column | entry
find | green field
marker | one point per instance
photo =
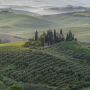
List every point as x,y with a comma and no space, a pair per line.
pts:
24,25
12,46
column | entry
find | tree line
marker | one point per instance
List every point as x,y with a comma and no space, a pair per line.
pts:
48,38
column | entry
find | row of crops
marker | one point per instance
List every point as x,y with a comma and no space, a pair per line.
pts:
33,66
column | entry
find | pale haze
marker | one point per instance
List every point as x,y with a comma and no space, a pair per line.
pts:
85,3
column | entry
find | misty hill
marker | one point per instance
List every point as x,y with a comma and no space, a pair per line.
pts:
46,2
46,10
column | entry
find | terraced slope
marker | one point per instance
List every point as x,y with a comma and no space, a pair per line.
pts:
58,67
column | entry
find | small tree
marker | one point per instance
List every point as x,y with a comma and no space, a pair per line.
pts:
75,39
15,87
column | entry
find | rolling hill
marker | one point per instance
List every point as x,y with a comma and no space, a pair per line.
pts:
64,66
24,26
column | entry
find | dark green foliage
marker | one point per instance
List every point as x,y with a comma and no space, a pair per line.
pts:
59,66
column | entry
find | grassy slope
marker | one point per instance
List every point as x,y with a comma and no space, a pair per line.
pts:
24,25
13,46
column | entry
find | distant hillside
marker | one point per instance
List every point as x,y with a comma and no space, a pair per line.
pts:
24,26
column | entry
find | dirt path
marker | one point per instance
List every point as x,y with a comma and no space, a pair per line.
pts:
52,45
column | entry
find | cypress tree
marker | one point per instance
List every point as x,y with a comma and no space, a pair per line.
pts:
48,40
67,37
49,34
45,39
51,37
43,33
36,36
73,36
69,33
61,31
43,42
55,35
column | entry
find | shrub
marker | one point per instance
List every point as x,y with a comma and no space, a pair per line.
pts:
15,87
32,47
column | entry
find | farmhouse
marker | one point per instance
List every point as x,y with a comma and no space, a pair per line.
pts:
59,35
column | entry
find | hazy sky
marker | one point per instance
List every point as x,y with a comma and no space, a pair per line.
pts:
46,2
